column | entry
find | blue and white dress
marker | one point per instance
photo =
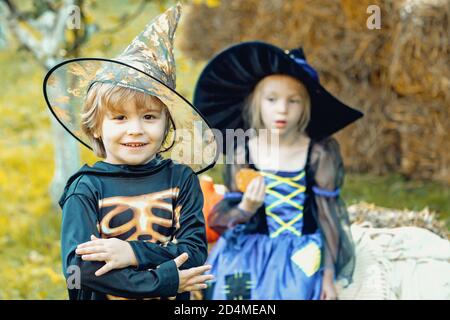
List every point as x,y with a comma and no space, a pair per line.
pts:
284,264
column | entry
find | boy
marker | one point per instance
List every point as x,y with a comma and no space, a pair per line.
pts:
141,211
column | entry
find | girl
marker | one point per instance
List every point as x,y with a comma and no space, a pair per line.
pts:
285,235
132,222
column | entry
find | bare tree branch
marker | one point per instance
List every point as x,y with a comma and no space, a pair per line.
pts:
127,18
81,35
53,40
51,25
24,37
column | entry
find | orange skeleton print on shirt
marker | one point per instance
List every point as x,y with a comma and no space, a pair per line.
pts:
143,215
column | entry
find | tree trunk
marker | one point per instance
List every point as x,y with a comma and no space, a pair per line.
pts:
66,152
66,157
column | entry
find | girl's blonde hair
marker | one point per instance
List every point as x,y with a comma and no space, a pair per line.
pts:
252,107
103,97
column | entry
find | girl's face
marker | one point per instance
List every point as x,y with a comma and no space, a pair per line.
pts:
133,135
281,104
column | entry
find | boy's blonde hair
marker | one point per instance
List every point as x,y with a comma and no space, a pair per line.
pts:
252,107
103,97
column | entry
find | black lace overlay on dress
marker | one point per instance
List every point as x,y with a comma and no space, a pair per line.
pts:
323,207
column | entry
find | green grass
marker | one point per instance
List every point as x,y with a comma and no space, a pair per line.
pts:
395,191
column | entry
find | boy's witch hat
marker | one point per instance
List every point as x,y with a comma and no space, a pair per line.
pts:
146,65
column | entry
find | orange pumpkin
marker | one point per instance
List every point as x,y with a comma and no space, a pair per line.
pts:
244,177
212,194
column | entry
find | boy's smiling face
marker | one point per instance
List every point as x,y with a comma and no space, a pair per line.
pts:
132,134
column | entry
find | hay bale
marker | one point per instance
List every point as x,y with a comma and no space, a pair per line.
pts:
402,134
398,75
372,144
379,217
420,62
423,126
202,31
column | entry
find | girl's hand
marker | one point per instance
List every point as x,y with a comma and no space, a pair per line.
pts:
254,195
328,288
116,253
191,279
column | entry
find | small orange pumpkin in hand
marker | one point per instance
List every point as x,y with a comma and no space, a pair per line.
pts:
244,177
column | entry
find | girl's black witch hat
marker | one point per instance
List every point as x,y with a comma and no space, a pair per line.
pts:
231,76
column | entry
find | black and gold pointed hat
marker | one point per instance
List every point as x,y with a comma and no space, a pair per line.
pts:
146,65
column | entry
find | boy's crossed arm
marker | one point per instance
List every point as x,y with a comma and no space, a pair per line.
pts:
117,254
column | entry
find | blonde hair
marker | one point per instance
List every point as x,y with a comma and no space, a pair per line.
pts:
103,97
252,107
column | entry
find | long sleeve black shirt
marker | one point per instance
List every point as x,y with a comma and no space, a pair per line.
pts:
157,207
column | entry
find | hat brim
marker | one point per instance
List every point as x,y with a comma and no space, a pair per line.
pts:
191,140
231,76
